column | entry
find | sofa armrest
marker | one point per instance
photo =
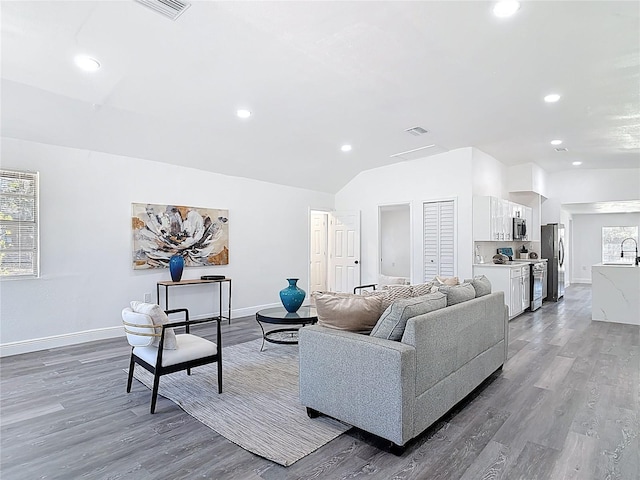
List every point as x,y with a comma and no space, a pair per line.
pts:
364,381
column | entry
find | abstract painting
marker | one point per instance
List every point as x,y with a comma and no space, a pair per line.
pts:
199,235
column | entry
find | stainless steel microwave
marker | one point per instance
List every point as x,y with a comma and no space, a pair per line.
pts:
519,229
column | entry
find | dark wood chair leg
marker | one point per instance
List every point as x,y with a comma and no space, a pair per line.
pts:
188,371
130,379
154,393
219,375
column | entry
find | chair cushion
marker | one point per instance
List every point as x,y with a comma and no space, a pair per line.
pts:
131,317
458,293
394,319
189,347
159,318
347,311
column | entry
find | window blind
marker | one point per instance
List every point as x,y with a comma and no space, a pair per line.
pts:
18,224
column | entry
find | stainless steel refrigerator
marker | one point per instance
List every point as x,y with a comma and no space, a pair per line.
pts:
552,247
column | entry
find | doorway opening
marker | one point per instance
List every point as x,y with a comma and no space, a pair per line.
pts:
394,240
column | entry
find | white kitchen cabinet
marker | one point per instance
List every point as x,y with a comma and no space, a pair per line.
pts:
515,300
492,220
510,279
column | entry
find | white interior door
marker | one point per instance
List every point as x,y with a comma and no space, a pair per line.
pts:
439,239
344,251
318,252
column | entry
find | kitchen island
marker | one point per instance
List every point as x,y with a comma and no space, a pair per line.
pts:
615,293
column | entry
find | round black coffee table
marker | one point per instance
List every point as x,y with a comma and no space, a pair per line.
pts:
279,316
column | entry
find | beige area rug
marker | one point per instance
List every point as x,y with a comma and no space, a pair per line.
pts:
259,408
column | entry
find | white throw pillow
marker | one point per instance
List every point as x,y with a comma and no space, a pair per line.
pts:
159,318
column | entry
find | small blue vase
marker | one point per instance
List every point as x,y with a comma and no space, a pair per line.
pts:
292,296
176,265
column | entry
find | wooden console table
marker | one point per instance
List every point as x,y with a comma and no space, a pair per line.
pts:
166,286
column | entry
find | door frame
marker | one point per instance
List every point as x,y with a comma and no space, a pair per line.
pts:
411,229
326,212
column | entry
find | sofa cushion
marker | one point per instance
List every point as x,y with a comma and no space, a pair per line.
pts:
481,285
394,319
384,280
446,280
159,318
458,293
347,311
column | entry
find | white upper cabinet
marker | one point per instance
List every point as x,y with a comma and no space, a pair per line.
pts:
493,219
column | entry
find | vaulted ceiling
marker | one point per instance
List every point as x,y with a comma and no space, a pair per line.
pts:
317,75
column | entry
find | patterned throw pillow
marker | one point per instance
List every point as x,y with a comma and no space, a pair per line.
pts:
458,293
159,318
391,293
347,311
422,289
394,319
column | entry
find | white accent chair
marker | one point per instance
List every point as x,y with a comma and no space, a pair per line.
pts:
192,351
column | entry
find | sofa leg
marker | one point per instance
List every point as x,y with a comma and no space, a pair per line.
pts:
311,413
395,449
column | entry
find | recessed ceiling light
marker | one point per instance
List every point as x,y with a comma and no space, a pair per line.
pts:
345,148
552,98
86,63
506,8
242,113
556,142
576,163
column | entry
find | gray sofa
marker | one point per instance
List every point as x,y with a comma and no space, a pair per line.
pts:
397,389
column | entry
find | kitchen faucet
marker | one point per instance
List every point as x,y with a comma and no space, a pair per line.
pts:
622,249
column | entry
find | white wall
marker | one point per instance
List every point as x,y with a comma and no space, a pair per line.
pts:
589,186
587,239
527,177
85,214
439,177
489,176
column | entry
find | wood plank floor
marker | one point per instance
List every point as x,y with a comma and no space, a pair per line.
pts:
566,406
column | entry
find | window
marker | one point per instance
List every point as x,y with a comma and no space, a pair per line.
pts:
612,238
18,224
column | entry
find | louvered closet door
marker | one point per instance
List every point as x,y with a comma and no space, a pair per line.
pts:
439,239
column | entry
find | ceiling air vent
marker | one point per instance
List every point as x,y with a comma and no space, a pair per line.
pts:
416,131
561,149
420,152
169,8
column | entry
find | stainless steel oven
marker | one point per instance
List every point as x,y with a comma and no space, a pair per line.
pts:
538,280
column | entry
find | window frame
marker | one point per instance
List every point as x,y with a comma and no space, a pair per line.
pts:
607,257
34,270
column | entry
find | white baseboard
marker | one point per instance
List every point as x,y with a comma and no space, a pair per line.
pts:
54,341
45,343
581,280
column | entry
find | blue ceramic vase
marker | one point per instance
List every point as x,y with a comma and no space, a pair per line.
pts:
176,265
292,296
